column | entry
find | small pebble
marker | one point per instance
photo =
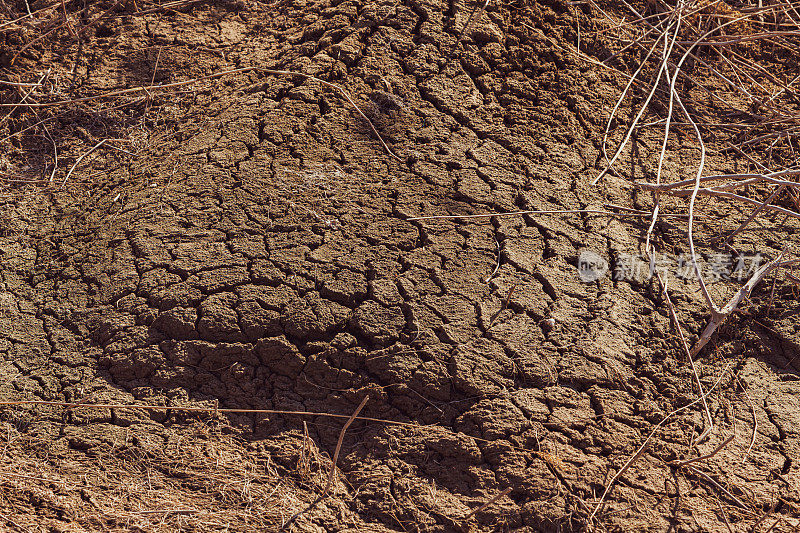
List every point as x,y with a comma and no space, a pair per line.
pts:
547,324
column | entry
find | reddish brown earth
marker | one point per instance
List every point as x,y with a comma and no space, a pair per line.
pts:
250,249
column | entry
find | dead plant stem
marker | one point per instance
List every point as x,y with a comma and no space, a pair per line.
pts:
488,503
332,474
81,158
685,346
642,448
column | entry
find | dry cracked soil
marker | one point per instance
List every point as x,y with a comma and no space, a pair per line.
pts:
244,243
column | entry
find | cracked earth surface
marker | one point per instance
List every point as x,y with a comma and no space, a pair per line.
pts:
260,256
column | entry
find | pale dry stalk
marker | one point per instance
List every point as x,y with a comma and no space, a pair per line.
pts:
647,440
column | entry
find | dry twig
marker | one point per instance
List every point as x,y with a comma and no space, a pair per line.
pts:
339,445
488,503
643,446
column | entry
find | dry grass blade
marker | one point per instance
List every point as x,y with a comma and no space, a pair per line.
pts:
713,482
30,15
169,511
468,23
488,503
661,156
134,90
332,475
151,88
643,446
81,158
629,212
772,177
698,176
346,96
685,346
25,97
215,411
754,214
642,109
709,455
8,520
717,190
190,409
335,459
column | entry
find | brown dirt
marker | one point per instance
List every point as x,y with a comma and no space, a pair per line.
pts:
251,247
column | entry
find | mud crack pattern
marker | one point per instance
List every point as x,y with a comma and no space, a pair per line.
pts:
262,258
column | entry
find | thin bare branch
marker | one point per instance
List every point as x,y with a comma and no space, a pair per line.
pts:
332,474
488,503
643,447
